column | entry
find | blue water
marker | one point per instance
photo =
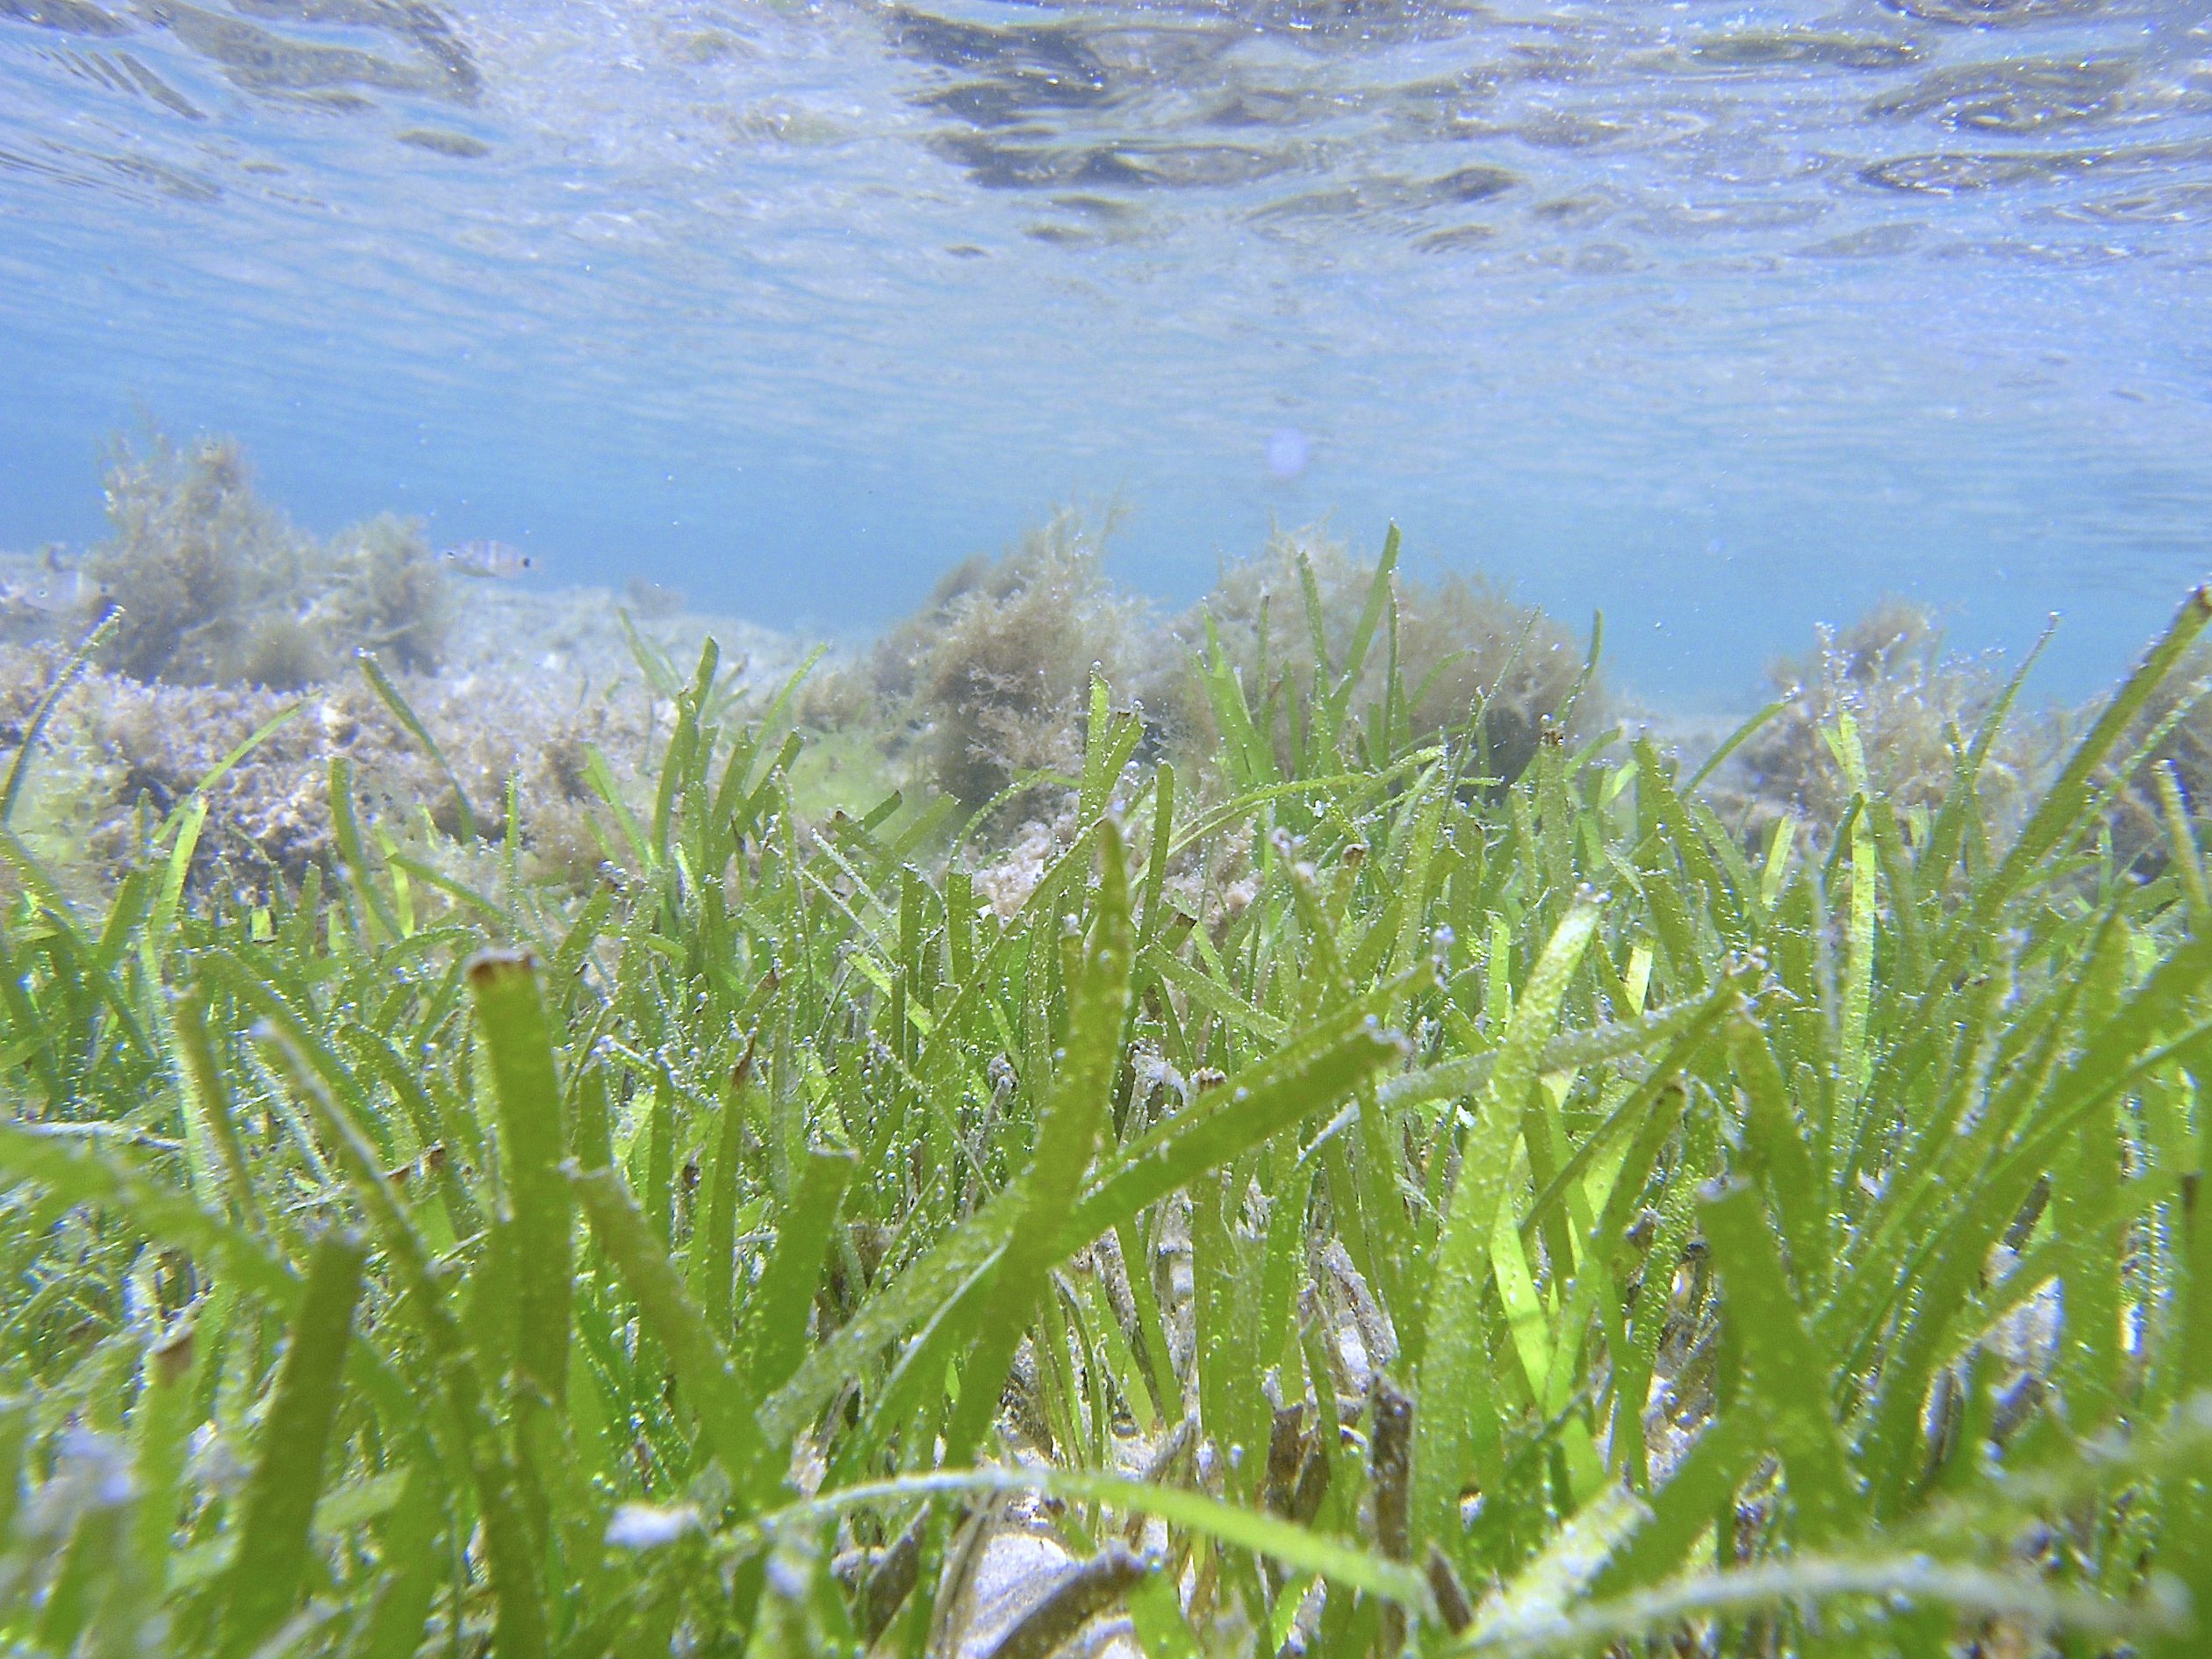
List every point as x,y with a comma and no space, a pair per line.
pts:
1724,319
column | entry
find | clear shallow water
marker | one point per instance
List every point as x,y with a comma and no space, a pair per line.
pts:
1726,319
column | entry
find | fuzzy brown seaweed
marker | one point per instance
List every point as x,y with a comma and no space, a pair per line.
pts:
217,586
387,592
1913,708
2171,743
1004,680
1469,657
986,684
198,563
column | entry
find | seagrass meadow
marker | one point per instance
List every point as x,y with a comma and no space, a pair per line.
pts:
1518,1218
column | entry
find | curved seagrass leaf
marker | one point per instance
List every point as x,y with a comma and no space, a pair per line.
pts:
1066,1139
1540,1592
1769,1327
533,1144
1314,1070
295,1440
1571,1051
705,1372
1456,1437
1363,786
42,711
1805,1583
772,1335
518,1599
2058,816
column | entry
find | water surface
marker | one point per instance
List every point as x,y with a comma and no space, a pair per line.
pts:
1724,317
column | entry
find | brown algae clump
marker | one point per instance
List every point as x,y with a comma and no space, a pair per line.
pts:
217,586
2168,790
1913,711
1468,659
986,684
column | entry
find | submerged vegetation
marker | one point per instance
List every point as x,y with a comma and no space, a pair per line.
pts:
1379,1182
983,691
985,685
214,585
236,659
1448,654
1885,685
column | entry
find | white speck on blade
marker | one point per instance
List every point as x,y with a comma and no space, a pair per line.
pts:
650,1526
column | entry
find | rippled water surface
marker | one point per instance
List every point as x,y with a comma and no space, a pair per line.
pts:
1726,319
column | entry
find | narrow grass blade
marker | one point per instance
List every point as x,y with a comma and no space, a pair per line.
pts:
773,1336
534,1142
705,1372
1065,1140
1785,1365
1450,1444
280,1499
208,1099
42,711
1296,1547
84,1176
1734,741
520,1628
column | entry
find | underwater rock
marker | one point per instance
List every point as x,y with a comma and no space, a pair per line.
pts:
119,748
1028,1598
233,620
1005,884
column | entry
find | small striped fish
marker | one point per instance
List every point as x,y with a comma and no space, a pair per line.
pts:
489,558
